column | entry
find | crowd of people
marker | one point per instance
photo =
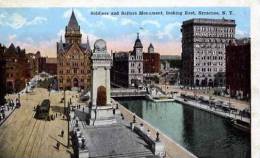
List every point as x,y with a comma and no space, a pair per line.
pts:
6,109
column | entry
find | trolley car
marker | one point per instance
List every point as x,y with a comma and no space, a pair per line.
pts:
42,111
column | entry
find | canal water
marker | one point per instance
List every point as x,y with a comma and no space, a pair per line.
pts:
205,135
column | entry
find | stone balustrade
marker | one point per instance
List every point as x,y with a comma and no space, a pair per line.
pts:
155,145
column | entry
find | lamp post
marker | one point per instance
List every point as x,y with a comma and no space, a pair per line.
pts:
68,117
64,100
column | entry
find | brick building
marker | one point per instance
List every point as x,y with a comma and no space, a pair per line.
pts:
203,51
151,61
238,68
73,58
33,64
17,68
2,75
48,65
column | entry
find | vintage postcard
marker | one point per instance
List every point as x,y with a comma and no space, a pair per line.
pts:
151,81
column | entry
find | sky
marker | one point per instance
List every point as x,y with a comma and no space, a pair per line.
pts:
40,28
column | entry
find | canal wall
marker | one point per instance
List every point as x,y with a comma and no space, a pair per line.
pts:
210,110
173,149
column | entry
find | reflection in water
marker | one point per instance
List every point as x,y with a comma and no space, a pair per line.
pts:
204,134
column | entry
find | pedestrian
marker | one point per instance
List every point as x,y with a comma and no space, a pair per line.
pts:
114,111
62,133
58,145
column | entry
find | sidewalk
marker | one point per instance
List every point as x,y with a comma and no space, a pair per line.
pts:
7,109
238,104
212,109
7,114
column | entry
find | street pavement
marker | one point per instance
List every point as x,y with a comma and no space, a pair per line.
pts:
23,136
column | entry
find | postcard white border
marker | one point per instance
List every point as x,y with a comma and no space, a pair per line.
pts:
255,34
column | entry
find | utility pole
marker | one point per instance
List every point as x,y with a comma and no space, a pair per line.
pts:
68,117
64,100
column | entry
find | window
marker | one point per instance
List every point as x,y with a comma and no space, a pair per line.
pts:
75,71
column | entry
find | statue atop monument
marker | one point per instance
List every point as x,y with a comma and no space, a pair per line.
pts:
100,46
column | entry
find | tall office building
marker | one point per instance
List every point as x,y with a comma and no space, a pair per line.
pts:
203,51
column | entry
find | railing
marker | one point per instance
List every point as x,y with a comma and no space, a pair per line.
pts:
172,148
120,92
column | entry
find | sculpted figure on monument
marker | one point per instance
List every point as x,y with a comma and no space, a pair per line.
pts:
100,46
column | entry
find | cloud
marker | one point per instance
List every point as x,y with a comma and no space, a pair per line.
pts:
168,30
82,19
126,22
37,20
126,44
17,21
241,33
61,32
78,15
92,38
12,37
151,22
110,17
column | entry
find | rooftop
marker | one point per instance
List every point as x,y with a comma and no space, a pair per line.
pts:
210,21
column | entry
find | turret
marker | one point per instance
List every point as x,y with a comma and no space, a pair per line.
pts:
138,47
150,48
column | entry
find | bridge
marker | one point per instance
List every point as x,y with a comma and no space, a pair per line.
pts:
127,92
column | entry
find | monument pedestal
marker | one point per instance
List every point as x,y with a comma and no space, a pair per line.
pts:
102,115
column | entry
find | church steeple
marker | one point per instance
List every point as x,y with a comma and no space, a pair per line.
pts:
73,23
72,31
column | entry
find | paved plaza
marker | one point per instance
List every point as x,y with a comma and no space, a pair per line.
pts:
115,140
22,136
